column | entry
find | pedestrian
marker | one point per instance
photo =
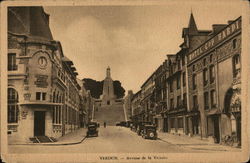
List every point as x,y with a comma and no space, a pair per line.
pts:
104,124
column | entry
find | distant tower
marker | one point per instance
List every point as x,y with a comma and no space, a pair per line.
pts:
108,97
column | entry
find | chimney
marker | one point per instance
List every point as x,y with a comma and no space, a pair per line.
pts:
218,27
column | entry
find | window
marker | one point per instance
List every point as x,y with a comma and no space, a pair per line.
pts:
12,66
184,79
178,82
13,110
213,98
195,102
204,62
54,114
194,81
205,77
171,103
184,99
12,95
172,122
236,65
194,68
212,73
183,61
178,101
206,101
171,86
41,96
234,43
211,58
180,122
179,64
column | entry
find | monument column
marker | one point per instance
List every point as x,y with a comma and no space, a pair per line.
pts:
108,97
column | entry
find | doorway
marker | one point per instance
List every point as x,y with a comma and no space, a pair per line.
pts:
39,123
165,126
216,129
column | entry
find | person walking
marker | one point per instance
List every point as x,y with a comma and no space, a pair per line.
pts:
104,124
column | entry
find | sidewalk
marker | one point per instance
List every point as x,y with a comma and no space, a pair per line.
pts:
195,143
74,137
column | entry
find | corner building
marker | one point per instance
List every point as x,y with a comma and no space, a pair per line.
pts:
43,94
214,75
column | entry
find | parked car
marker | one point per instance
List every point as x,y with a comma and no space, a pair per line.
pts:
140,127
92,129
149,131
123,123
128,123
118,124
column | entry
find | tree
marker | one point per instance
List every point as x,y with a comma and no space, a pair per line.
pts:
96,88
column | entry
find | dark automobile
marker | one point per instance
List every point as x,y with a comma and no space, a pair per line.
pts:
133,126
149,131
140,127
128,123
92,129
123,123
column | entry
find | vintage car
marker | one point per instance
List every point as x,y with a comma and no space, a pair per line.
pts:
149,131
134,126
92,129
140,127
118,124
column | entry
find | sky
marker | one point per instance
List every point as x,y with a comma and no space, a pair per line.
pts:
132,40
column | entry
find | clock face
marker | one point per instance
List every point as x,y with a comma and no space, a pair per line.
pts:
42,61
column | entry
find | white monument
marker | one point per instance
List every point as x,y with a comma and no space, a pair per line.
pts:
108,97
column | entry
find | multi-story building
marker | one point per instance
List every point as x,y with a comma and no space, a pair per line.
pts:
128,104
137,111
43,94
214,75
83,112
179,111
199,85
161,97
148,98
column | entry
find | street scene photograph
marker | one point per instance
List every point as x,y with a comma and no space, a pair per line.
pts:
124,78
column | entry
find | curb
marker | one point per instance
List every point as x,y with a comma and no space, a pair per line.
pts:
51,144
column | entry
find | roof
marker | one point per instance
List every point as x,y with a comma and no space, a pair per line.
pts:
30,21
66,59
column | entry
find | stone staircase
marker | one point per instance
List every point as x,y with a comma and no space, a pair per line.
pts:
109,114
42,139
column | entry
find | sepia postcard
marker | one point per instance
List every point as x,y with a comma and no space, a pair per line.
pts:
124,81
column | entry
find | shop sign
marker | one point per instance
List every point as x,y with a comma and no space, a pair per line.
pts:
41,81
232,28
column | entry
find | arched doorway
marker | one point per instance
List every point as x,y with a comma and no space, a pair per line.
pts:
232,108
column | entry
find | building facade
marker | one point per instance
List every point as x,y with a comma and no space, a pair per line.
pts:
43,94
214,74
196,91
128,105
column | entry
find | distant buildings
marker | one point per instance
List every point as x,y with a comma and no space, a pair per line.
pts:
44,96
196,91
128,104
